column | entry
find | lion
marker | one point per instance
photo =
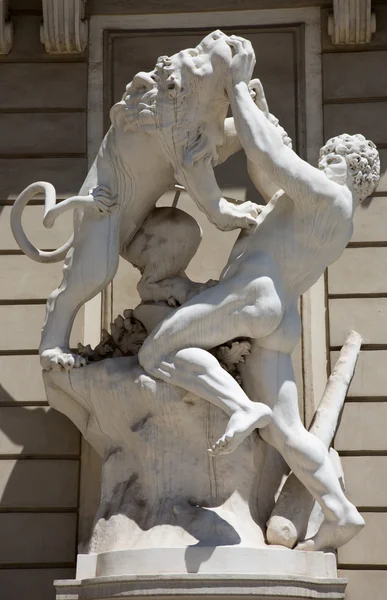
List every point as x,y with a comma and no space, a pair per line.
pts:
170,126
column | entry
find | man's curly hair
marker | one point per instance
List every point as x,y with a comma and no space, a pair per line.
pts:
362,160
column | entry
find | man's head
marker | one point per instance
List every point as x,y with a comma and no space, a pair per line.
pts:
353,160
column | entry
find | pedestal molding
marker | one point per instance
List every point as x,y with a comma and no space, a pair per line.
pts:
6,29
64,30
352,22
256,587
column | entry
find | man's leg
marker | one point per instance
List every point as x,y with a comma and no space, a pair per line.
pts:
269,376
177,352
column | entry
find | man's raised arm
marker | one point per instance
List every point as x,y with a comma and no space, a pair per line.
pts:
262,141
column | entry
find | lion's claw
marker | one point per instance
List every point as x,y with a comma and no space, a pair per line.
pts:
57,359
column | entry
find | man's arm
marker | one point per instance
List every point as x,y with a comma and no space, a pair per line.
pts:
264,147
261,139
231,145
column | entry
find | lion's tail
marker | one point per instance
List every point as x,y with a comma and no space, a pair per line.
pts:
49,204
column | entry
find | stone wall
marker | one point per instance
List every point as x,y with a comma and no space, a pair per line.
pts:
355,100
43,136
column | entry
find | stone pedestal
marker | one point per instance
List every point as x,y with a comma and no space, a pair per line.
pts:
172,520
199,571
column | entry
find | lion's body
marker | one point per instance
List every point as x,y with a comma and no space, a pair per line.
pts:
136,183
169,127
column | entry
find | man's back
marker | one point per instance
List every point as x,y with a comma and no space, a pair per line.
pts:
300,239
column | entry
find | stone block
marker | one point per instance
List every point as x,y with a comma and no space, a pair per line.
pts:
45,239
37,431
369,547
370,221
66,175
22,324
24,279
368,316
370,377
38,484
44,85
364,117
359,271
355,75
37,538
364,584
31,584
42,133
362,427
13,388
365,480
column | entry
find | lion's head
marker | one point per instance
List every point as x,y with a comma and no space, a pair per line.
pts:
183,99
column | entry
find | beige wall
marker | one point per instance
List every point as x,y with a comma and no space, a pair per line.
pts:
43,136
355,100
43,126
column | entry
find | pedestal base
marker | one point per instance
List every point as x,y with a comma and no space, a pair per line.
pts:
199,571
187,587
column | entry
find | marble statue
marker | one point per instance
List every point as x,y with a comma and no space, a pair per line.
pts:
149,395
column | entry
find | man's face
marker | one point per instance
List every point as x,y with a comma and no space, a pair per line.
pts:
334,166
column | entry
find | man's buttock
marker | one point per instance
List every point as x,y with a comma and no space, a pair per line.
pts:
287,335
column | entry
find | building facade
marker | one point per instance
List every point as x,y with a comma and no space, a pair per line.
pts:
55,96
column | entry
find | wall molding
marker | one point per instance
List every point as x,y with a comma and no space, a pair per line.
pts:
64,29
6,29
352,22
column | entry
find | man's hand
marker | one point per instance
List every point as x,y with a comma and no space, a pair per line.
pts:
242,63
258,95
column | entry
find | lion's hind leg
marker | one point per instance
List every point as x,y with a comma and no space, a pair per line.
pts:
89,266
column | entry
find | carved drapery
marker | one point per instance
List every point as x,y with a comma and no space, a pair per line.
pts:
64,30
6,29
352,22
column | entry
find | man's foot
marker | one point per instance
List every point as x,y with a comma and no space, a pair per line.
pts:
332,535
240,425
57,359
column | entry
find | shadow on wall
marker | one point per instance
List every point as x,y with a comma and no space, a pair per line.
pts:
39,472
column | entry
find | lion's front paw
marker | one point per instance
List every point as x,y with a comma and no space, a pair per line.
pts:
234,216
57,359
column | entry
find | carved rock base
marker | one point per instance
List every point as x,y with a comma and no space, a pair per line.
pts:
173,521
160,487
